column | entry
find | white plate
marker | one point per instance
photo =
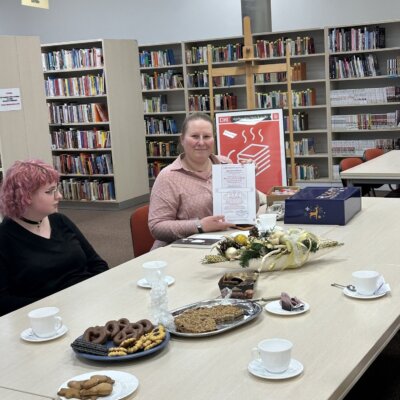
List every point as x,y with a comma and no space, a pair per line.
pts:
256,368
124,385
275,307
144,284
29,336
356,295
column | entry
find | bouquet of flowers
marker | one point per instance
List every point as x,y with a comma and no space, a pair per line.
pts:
273,250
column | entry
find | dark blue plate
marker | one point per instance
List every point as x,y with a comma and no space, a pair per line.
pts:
142,353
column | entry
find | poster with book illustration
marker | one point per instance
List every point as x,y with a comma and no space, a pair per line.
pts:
256,136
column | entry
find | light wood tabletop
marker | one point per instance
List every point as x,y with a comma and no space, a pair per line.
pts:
9,394
336,340
382,169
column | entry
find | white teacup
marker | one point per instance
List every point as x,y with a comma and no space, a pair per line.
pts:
366,282
266,222
45,322
274,354
154,270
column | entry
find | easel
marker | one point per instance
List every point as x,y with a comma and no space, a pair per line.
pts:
249,69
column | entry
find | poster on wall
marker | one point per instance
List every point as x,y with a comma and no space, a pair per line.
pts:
256,136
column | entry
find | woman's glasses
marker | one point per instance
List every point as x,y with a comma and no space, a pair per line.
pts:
55,190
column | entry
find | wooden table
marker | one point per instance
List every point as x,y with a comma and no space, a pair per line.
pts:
9,394
336,340
384,169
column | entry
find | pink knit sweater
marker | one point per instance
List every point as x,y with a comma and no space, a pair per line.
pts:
178,198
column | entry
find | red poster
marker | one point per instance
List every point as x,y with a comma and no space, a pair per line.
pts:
255,136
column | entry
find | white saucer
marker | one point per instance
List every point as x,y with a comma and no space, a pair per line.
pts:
356,295
274,307
295,368
29,336
144,284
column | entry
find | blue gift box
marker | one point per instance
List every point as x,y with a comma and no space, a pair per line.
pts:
323,205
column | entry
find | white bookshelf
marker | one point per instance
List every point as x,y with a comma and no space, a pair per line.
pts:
122,180
23,132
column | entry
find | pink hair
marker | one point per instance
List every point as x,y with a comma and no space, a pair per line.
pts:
21,180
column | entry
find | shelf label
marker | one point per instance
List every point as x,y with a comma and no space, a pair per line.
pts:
36,3
10,99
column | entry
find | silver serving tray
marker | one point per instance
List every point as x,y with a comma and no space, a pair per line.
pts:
251,311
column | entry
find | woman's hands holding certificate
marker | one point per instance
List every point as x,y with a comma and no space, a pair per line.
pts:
215,223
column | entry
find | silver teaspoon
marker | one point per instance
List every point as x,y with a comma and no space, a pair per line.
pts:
352,288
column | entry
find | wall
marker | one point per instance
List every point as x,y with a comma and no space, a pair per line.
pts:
290,14
152,21
147,21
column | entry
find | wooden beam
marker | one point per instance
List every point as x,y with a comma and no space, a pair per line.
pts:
265,69
228,71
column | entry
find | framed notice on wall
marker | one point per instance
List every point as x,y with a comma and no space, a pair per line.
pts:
255,136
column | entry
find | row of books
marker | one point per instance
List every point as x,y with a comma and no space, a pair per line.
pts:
77,189
200,79
155,168
351,147
303,147
393,66
160,58
155,104
161,149
199,55
277,48
303,171
58,60
299,73
365,96
160,126
278,99
227,101
77,113
354,67
87,85
83,164
165,80
300,122
353,39
76,139
366,121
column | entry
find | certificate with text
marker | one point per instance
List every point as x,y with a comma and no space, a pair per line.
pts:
234,192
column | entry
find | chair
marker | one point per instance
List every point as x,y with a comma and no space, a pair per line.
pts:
351,162
142,241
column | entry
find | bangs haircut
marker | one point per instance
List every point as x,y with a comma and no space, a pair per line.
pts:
21,181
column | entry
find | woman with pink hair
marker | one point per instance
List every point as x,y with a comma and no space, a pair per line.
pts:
41,251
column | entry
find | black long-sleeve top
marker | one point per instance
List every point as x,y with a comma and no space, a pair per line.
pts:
33,267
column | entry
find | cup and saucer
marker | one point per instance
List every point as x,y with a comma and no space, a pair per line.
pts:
153,271
256,368
272,360
368,284
45,325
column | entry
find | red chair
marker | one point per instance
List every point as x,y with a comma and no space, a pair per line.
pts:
142,241
351,162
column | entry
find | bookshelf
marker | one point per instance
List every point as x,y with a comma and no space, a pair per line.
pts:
363,60
315,135
23,132
96,122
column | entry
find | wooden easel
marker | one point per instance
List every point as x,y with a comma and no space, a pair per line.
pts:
248,68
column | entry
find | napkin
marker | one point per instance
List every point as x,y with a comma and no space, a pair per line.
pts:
382,286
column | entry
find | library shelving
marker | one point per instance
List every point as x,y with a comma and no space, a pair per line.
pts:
96,122
23,131
321,67
364,67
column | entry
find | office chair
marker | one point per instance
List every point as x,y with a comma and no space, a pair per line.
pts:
351,162
142,241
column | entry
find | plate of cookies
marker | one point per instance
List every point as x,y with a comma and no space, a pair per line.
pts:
120,340
107,385
211,317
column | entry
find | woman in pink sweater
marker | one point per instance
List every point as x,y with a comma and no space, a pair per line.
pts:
181,201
